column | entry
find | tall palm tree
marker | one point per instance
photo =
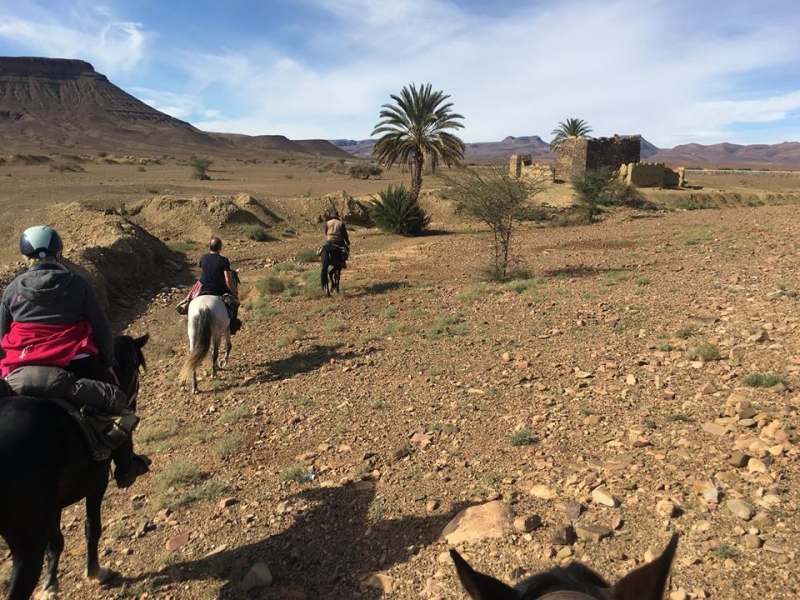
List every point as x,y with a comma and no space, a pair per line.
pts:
414,130
567,129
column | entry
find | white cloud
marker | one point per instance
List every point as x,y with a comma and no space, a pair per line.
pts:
90,33
672,71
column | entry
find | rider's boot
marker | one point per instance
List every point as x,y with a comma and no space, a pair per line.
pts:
128,466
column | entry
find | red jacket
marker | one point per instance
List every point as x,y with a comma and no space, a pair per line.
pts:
41,344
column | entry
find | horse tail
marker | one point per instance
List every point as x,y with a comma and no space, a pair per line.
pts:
201,347
326,259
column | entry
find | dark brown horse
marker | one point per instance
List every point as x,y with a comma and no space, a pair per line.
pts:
573,582
333,261
45,466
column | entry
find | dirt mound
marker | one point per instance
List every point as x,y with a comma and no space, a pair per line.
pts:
121,259
174,218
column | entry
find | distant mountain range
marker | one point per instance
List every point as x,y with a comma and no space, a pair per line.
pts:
724,154
57,105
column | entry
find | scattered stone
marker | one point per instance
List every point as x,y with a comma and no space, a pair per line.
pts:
528,523
227,502
775,546
401,452
543,492
752,541
259,575
715,429
563,535
564,553
741,509
739,459
755,465
666,509
593,533
432,505
176,542
574,510
490,520
378,581
679,594
602,496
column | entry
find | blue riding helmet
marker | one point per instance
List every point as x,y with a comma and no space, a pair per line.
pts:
40,241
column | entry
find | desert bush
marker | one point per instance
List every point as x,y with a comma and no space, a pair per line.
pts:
523,437
592,189
498,199
272,284
705,352
200,166
256,232
297,472
396,211
762,380
66,166
261,309
307,255
364,171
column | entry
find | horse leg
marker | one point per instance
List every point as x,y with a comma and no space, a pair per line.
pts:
214,358
224,360
26,569
53,553
93,529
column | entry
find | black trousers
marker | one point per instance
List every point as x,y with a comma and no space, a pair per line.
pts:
91,368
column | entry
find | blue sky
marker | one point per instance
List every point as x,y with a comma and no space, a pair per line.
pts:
676,71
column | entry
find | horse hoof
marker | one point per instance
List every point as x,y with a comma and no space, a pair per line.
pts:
48,594
101,576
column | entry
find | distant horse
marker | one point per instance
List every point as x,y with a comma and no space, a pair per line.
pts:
333,261
573,582
45,466
208,323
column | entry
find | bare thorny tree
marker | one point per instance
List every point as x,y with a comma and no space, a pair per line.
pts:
499,199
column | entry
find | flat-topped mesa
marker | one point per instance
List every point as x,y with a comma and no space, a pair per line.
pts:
48,68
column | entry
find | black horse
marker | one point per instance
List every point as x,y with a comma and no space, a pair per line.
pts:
573,582
45,466
333,261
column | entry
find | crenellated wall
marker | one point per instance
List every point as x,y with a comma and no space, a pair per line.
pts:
521,165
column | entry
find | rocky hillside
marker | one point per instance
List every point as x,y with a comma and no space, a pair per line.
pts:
52,105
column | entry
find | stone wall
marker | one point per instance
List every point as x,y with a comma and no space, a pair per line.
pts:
521,165
652,175
576,155
645,174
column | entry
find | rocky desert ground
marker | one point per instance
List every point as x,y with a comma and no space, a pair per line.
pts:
639,380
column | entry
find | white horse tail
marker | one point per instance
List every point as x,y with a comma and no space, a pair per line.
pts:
201,347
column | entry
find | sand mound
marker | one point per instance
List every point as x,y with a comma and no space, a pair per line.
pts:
121,259
173,218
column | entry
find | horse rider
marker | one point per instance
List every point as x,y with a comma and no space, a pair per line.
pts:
336,235
217,279
52,317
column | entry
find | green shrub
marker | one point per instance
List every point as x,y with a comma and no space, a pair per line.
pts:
200,167
307,255
762,380
592,188
705,352
256,232
396,211
364,171
523,437
272,284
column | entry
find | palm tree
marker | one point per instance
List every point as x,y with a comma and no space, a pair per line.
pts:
567,129
414,130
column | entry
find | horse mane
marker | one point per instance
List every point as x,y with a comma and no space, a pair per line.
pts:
575,577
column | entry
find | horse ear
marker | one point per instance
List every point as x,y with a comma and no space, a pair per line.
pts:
141,341
647,582
478,585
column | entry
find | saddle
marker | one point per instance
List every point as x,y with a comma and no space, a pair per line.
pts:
100,409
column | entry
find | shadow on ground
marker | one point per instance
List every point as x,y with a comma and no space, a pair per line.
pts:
333,541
